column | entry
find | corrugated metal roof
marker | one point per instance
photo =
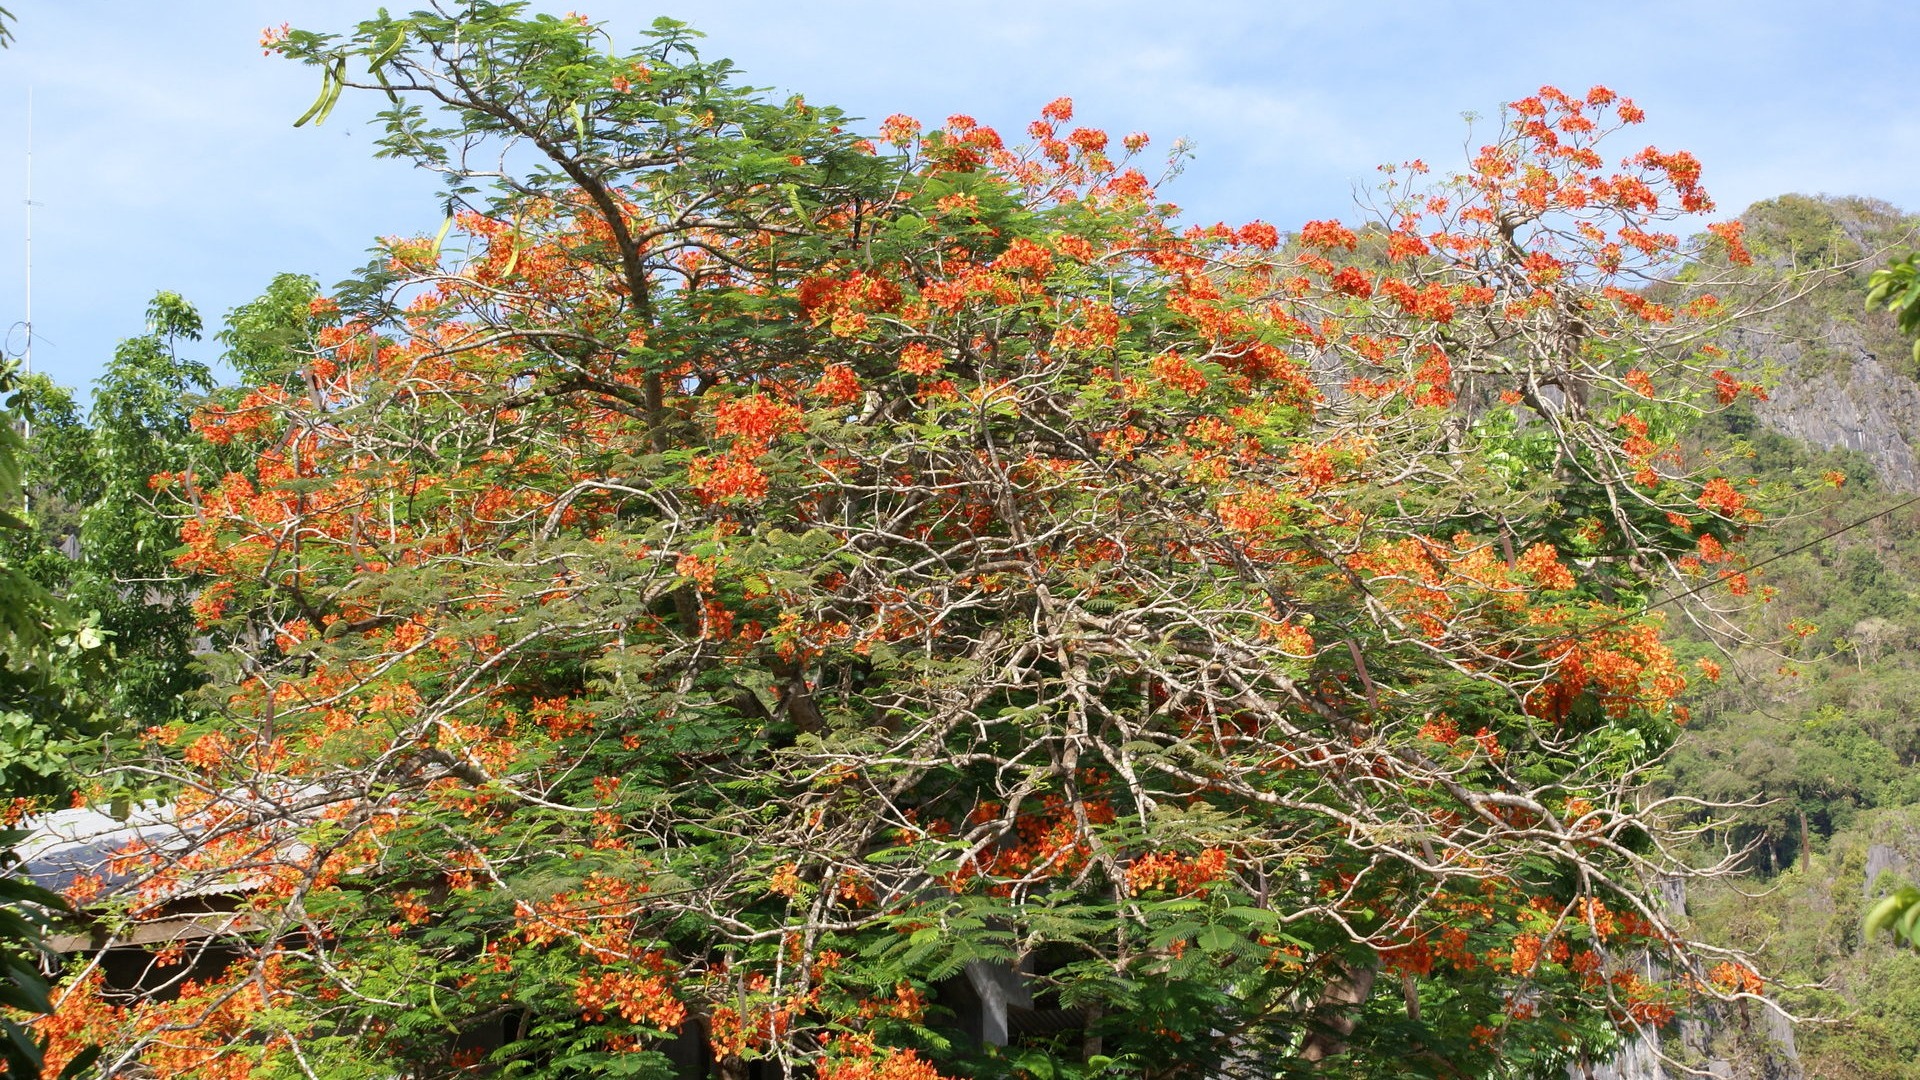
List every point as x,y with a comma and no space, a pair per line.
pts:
63,845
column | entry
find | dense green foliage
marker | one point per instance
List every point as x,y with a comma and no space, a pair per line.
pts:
47,656
45,648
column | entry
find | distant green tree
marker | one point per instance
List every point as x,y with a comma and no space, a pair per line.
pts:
269,337
45,648
139,428
44,653
95,537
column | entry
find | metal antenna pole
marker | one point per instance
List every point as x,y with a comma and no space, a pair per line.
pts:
26,421
29,351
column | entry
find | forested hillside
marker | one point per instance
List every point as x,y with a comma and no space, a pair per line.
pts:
1819,711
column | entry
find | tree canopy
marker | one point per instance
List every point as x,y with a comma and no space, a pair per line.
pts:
741,571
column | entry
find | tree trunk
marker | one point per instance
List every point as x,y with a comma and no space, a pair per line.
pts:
1335,1014
1090,1045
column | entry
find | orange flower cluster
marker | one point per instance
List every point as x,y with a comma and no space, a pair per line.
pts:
1047,843
1526,953
255,419
195,1033
1098,326
1291,637
1720,496
638,998
1736,978
1542,563
1178,373
600,917
852,1057
922,360
907,1003
1431,583
726,478
756,420
785,881
1625,667
1169,872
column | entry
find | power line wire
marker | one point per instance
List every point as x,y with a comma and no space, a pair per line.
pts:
1776,557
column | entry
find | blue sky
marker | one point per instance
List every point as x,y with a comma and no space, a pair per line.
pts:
164,156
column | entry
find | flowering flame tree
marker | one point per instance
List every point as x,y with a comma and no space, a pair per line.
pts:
741,572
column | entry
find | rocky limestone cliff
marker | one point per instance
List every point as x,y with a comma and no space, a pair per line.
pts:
1862,403
1750,1043
1842,376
